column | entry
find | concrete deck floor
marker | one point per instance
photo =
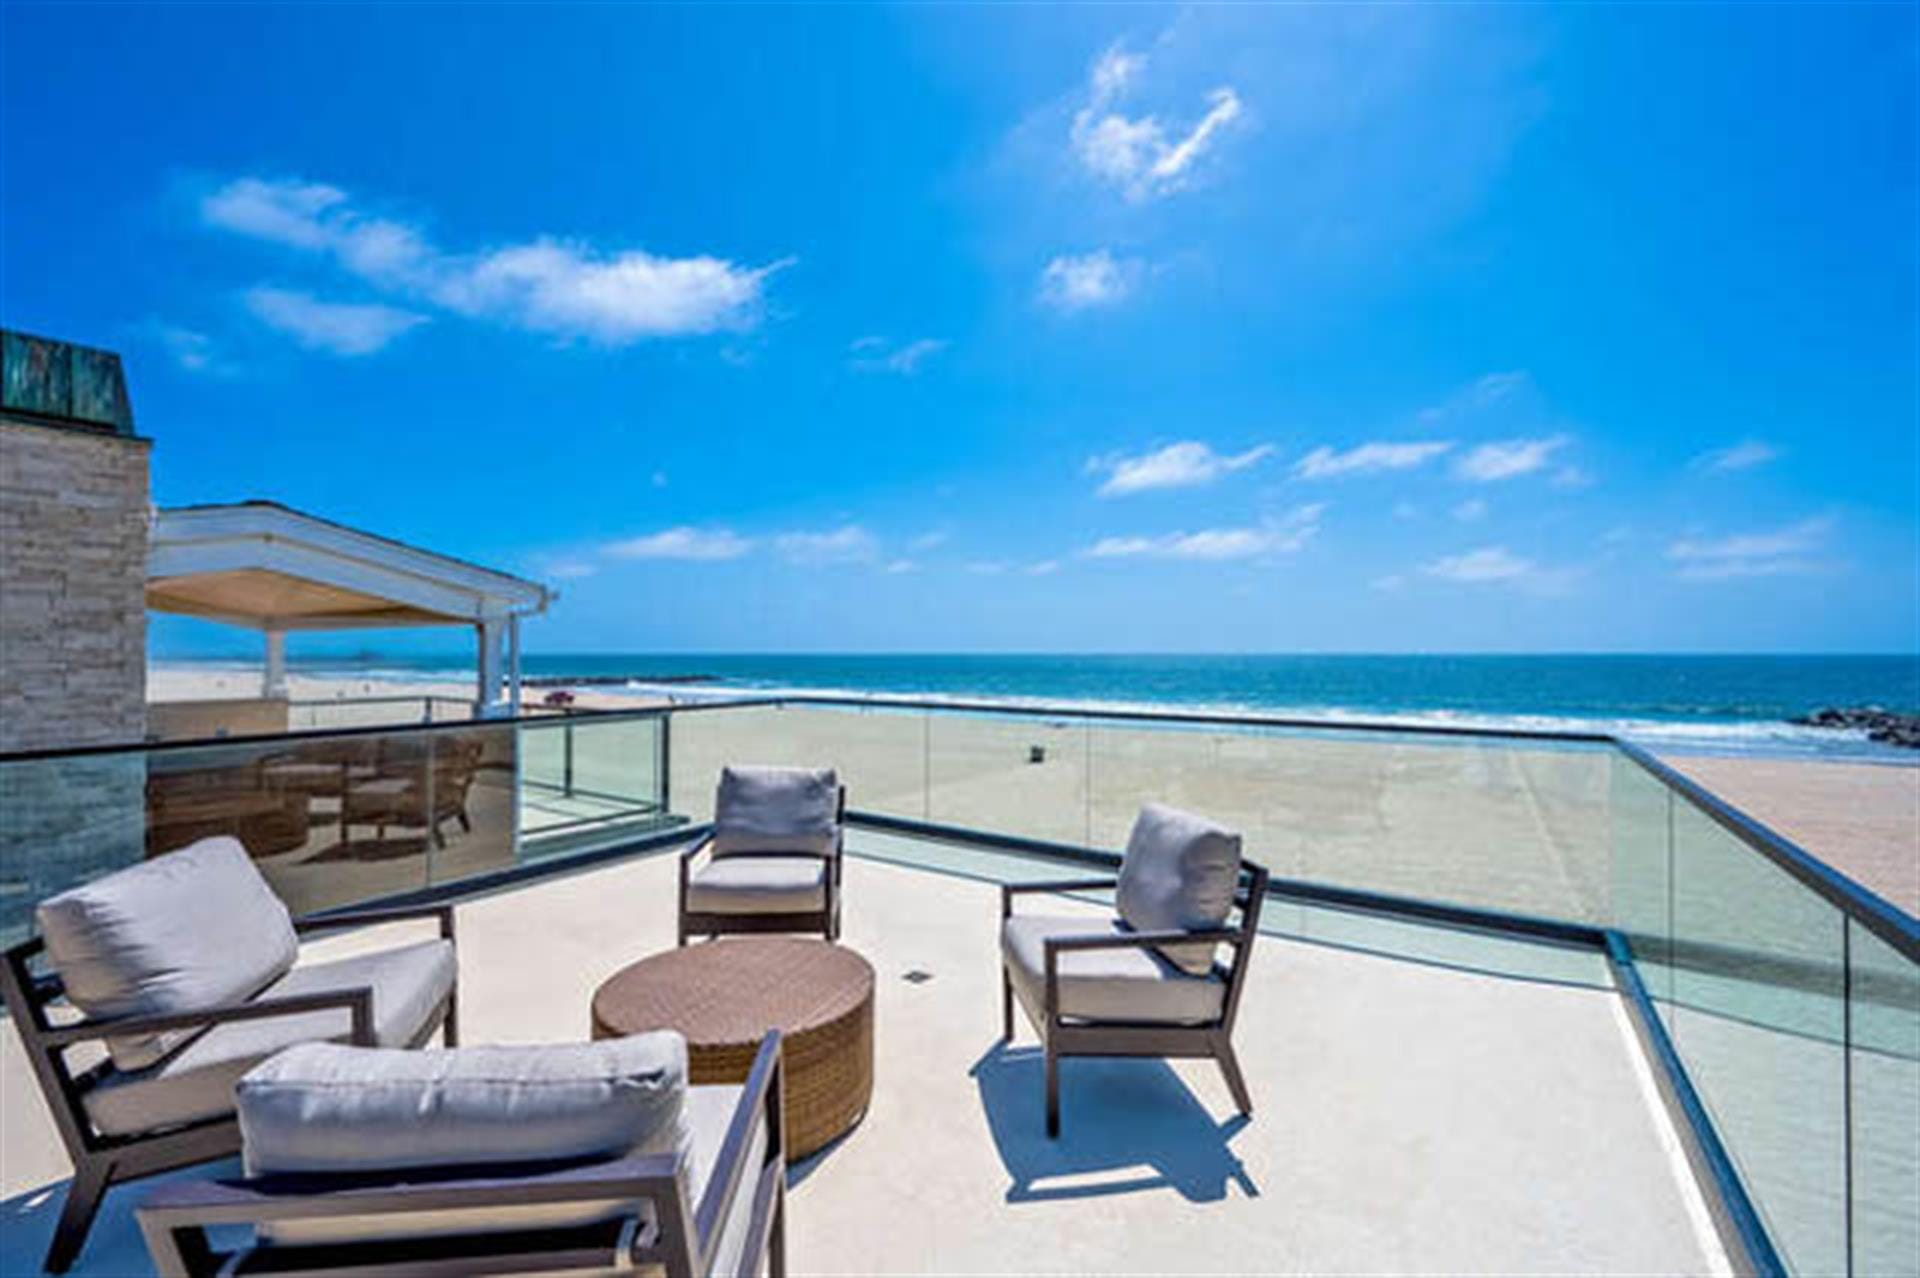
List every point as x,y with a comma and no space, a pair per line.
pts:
1426,1101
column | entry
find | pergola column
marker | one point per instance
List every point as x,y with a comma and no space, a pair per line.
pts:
273,675
487,702
513,663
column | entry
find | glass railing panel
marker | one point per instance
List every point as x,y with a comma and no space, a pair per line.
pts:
1490,823
1018,775
1883,990
62,822
1238,777
1640,827
463,798
1758,1017
880,754
590,781
326,819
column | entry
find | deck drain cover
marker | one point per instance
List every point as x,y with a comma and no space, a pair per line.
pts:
918,977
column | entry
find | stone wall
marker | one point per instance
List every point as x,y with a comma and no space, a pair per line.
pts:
73,569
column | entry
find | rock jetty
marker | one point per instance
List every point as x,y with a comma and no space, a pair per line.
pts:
1888,726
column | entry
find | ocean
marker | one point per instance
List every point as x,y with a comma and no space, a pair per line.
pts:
1719,704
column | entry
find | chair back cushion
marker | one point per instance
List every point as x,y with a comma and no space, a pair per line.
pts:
1180,871
776,810
329,1108
187,930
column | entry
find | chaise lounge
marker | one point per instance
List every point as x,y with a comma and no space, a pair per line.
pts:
185,968
1146,982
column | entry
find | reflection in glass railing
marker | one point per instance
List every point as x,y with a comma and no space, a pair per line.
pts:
335,819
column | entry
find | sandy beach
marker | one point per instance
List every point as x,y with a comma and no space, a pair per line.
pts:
1544,829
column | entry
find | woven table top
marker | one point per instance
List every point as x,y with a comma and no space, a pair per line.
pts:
733,990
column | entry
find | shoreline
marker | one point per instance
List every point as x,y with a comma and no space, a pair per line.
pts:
1746,738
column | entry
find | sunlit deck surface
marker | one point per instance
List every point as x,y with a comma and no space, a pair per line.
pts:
1427,1100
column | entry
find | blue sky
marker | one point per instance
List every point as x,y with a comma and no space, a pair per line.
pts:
977,328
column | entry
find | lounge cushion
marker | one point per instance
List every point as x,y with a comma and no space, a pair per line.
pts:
1130,984
323,1107
705,1115
187,930
409,982
759,885
1180,871
776,810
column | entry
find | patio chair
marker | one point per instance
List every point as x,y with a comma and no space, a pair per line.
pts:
184,968
1146,982
406,1164
422,786
773,859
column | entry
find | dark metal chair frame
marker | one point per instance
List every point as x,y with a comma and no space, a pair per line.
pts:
825,921
1061,1036
680,1236
101,1162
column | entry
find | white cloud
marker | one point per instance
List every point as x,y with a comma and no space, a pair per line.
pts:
1044,568
877,355
190,349
545,285
1744,455
1367,459
286,212
1139,154
1470,511
848,544
684,542
1489,563
336,327
929,540
898,566
986,567
569,569
1508,458
1187,464
1094,279
1277,536
1780,552
1483,393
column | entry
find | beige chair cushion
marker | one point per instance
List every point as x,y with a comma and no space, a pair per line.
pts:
1128,984
1179,872
759,810
759,885
408,982
190,929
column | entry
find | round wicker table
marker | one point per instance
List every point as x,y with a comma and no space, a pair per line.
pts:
724,995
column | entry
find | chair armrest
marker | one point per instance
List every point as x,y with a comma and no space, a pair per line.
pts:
1140,940
696,847
358,1001
1009,890
723,1182
372,918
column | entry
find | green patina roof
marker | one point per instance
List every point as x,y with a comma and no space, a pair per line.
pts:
63,384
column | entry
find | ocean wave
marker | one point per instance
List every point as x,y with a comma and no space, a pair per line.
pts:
1694,729
1759,737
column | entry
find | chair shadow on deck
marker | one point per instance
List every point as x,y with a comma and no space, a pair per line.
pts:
1118,1116
114,1247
